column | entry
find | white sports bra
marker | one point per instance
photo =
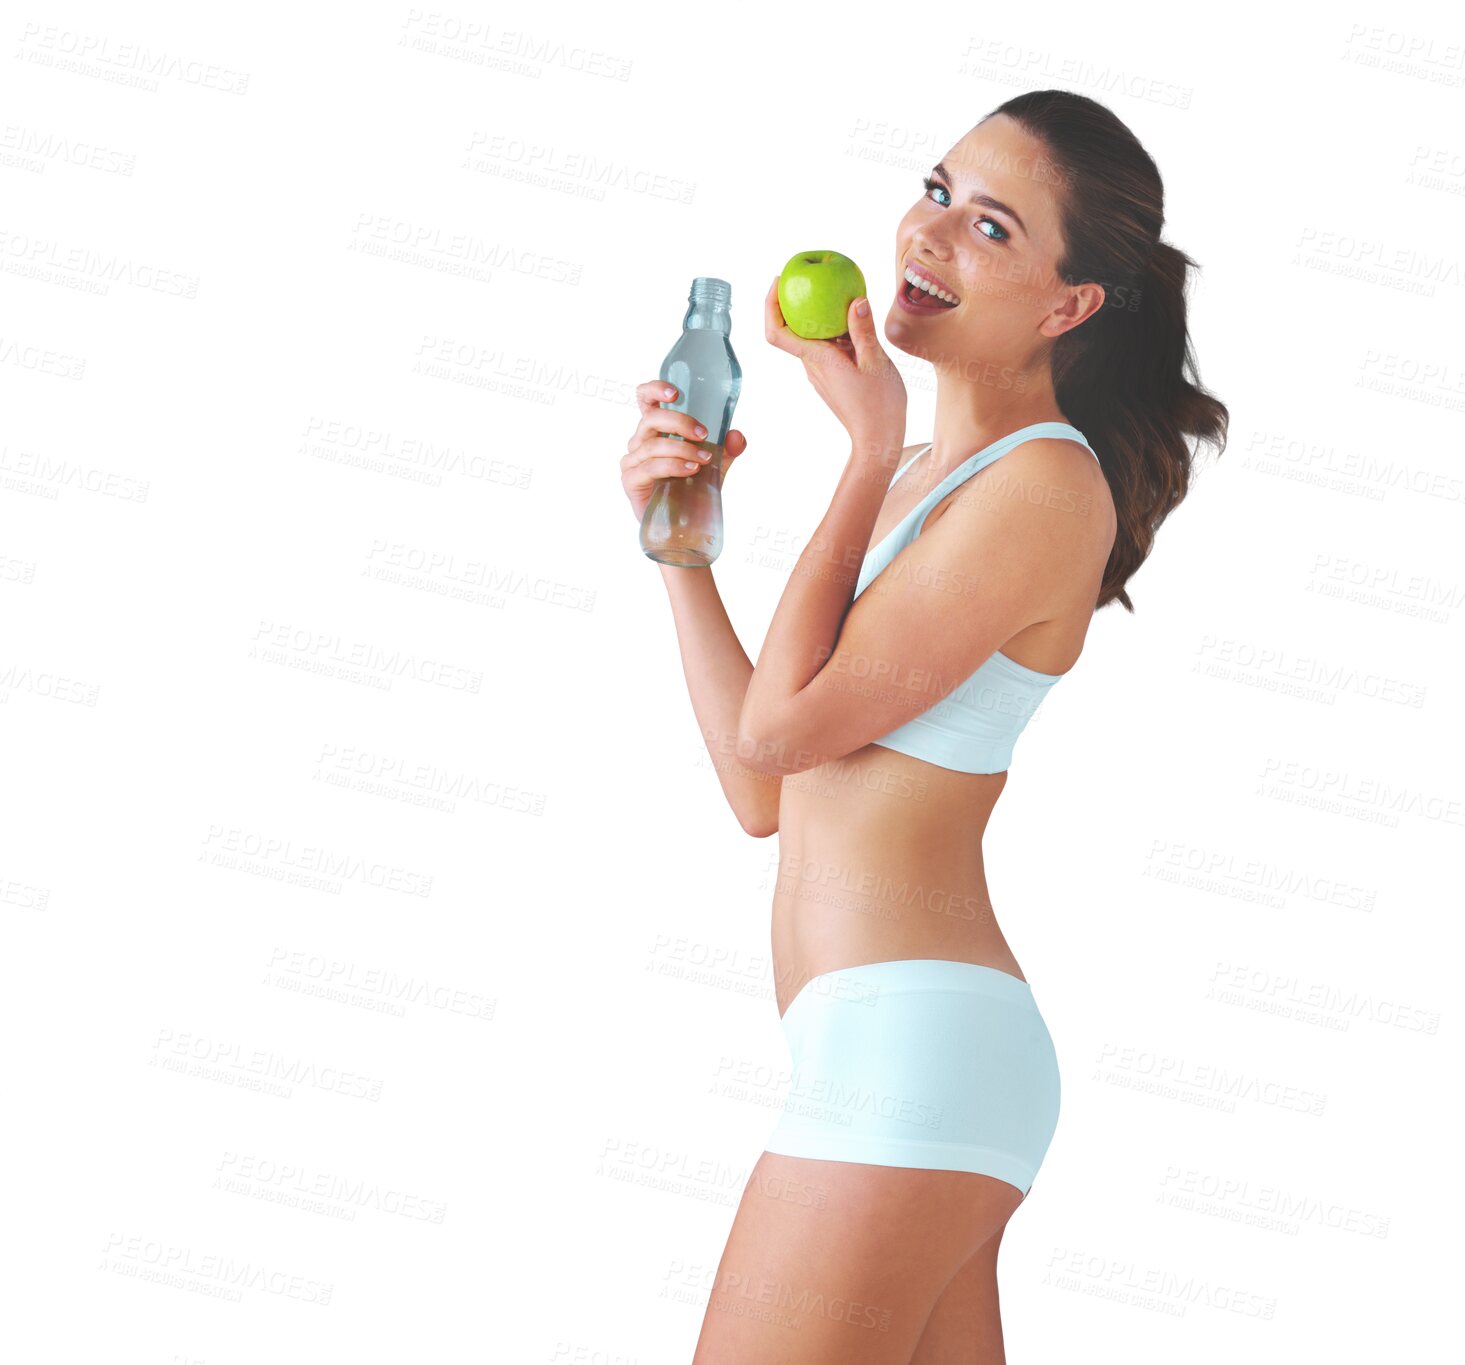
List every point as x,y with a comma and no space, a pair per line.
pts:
974,727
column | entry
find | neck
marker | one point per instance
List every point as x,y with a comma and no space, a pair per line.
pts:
981,401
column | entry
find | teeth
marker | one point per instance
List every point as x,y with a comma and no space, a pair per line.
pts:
920,283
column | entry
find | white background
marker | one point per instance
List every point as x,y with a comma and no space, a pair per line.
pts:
385,977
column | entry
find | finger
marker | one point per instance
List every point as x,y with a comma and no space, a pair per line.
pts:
735,444
776,330
650,395
659,420
643,472
862,332
664,467
665,447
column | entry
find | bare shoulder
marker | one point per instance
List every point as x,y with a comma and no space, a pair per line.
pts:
1065,469
1056,453
1049,480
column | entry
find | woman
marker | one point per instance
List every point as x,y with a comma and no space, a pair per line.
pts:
876,731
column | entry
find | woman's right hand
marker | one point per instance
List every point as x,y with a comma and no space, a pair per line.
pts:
652,454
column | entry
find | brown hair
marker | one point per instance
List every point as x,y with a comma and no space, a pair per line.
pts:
1126,376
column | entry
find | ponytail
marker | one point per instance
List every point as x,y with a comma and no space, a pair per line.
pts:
1126,376
1127,379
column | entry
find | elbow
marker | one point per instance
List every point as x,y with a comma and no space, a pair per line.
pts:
755,828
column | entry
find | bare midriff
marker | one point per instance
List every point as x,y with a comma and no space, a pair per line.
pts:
879,852
880,859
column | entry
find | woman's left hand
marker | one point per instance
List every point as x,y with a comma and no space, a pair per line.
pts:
852,374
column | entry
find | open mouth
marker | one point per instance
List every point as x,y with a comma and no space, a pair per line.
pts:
922,296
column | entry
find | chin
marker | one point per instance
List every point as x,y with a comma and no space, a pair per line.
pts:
912,339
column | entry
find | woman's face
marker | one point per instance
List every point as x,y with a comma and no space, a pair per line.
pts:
997,255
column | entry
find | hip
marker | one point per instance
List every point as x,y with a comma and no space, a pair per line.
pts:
818,932
921,1062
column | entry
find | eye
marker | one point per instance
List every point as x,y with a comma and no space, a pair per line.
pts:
931,184
936,185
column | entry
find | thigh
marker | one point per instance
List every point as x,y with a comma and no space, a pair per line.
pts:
965,1326
840,1262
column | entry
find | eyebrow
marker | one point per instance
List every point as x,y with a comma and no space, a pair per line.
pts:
984,199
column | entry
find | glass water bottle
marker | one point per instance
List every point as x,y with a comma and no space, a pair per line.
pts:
683,521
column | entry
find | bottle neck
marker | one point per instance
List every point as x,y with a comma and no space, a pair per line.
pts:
709,302
709,317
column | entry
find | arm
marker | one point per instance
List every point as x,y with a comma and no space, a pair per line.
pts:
718,671
984,570
813,607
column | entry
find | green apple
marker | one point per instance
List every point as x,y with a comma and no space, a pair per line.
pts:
815,291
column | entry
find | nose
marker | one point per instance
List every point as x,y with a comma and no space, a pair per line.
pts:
928,242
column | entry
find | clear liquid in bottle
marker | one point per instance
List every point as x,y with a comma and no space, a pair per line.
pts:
682,523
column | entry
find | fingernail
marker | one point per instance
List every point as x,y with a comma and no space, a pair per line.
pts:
668,391
862,308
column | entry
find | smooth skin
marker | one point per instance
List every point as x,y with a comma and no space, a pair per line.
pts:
840,1263
815,1246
